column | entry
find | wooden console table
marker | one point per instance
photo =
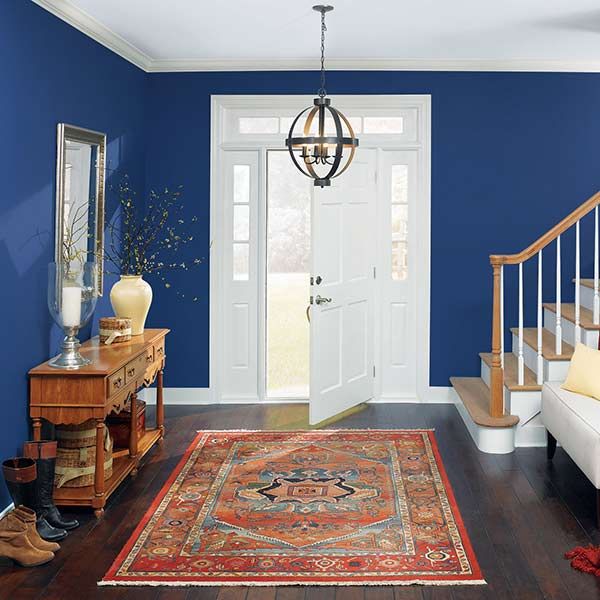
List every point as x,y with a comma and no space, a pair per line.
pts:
114,376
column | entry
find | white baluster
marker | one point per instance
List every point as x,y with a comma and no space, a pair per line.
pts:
596,270
521,361
558,327
502,315
577,282
540,315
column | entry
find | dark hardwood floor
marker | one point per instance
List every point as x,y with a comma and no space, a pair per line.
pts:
522,513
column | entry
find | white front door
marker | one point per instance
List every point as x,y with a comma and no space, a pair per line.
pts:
343,260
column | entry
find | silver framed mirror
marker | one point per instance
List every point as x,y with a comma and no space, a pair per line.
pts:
80,197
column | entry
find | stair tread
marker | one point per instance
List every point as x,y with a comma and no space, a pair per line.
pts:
589,283
567,311
511,375
548,343
475,396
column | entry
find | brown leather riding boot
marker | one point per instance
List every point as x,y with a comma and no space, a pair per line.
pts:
15,544
27,516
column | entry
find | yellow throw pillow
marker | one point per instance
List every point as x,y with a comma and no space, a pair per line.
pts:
584,372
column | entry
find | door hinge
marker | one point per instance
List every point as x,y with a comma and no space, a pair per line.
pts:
374,272
373,370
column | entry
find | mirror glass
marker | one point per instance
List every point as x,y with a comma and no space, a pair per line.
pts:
80,200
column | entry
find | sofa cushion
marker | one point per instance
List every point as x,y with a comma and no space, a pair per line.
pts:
584,372
574,420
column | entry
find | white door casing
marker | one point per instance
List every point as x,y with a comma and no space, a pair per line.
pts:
343,261
237,308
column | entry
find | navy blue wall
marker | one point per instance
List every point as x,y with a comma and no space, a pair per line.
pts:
512,153
49,73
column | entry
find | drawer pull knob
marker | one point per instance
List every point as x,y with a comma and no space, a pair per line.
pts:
118,382
131,372
149,358
159,350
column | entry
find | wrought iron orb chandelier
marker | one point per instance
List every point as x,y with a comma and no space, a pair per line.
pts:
326,145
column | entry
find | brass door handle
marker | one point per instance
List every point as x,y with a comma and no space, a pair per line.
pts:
321,300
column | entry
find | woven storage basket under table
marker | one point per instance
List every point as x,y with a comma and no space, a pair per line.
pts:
76,455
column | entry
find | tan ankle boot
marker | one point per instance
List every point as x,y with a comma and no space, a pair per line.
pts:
15,544
27,516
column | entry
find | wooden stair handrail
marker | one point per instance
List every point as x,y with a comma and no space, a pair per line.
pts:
580,212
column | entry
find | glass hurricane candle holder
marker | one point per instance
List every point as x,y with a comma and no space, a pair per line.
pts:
71,300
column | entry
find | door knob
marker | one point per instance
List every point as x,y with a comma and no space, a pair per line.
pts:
321,300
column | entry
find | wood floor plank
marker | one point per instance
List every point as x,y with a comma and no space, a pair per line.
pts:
291,593
319,592
408,592
232,593
379,593
349,592
201,593
261,593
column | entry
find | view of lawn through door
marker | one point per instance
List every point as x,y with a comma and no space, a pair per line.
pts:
288,272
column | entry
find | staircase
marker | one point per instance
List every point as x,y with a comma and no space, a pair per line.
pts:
501,408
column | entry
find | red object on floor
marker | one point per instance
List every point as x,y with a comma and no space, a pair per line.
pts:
338,507
585,559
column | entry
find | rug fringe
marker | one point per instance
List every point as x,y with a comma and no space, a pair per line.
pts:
423,582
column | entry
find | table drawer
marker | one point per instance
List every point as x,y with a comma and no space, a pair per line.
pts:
116,382
159,350
149,356
135,369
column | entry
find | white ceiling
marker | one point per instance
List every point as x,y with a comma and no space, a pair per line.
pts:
236,34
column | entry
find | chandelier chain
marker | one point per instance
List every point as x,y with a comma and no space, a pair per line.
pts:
322,90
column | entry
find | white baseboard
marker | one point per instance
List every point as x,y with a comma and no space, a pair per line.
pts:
6,510
203,396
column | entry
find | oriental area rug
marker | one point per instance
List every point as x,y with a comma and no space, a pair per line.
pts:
336,507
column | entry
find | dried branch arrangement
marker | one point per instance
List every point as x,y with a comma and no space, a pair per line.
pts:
149,240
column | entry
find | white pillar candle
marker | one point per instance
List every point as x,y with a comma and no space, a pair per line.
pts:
71,306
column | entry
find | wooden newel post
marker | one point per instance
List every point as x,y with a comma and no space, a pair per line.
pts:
496,375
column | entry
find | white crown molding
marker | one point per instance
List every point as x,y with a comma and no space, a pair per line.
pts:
97,31
79,19
374,64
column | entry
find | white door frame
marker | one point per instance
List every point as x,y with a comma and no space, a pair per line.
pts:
223,138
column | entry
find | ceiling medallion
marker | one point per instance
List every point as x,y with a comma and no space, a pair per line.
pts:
327,143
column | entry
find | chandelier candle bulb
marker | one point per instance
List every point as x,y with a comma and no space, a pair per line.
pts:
71,306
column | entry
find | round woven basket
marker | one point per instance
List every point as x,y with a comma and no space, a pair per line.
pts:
76,436
76,466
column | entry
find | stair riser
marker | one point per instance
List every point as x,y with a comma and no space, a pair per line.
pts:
554,370
588,337
587,297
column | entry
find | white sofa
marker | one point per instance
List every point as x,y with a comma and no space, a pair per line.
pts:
574,421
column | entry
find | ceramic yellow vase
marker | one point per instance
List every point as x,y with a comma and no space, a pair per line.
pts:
131,297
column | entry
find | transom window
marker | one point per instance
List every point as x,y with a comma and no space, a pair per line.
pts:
380,125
